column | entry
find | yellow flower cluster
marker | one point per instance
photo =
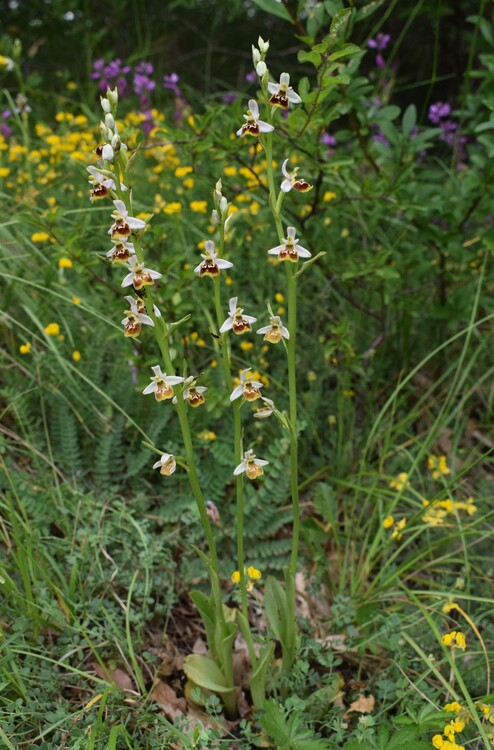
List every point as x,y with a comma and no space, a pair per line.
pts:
438,466
455,639
457,725
438,511
397,526
400,481
251,576
52,329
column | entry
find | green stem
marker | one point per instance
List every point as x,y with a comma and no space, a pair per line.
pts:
237,427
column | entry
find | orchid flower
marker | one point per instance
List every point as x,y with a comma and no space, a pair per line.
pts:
282,93
264,411
121,251
253,125
136,317
248,388
275,331
124,224
102,183
192,392
162,384
251,465
211,264
166,464
292,181
290,250
237,321
139,276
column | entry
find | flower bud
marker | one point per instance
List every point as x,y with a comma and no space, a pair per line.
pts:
112,97
107,154
261,68
263,46
105,105
103,130
109,120
223,205
256,55
215,219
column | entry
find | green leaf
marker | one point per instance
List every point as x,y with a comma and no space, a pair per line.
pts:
409,119
258,678
276,607
312,57
345,51
275,8
339,20
205,673
368,9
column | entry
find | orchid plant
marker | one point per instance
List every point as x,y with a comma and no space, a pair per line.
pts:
110,179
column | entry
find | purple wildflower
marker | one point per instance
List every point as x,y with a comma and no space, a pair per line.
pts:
437,111
379,43
111,75
170,82
143,84
5,130
251,77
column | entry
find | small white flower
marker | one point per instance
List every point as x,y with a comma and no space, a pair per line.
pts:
192,392
211,264
102,182
237,321
251,465
124,224
139,276
248,388
166,464
290,250
292,181
162,384
136,317
253,125
275,331
282,93
121,251
265,411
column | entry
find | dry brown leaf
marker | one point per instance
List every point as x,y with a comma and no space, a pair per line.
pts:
363,705
167,699
200,647
115,677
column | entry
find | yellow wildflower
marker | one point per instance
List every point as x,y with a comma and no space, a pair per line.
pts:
207,435
400,481
345,233
348,393
438,741
76,300
250,575
4,171
65,263
40,237
172,208
246,345
25,348
76,356
328,196
455,639
52,329
398,528
438,466
182,171
388,522
200,207
453,707
189,183
230,171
